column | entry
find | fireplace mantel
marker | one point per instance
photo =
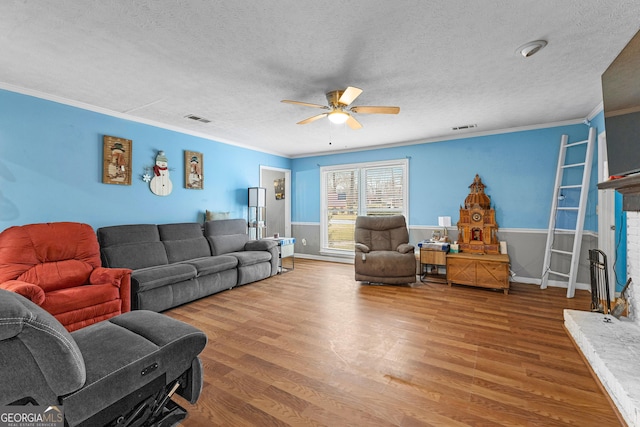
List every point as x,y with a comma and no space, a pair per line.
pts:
629,187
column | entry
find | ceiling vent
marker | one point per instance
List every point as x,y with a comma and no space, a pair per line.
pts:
464,127
197,118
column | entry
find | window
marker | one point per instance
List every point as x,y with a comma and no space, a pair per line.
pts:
347,191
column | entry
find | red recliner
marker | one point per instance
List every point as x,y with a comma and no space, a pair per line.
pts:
57,266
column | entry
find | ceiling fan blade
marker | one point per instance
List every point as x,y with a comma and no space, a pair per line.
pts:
306,104
312,119
349,95
353,123
366,109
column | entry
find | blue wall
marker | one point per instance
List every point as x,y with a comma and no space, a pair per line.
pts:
518,169
51,168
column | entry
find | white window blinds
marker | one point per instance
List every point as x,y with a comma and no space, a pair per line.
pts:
347,191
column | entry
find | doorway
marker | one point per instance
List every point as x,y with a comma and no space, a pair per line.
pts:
278,184
606,215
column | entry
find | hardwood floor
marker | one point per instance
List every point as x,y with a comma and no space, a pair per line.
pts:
314,347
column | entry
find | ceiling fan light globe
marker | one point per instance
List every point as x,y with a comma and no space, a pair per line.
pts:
338,117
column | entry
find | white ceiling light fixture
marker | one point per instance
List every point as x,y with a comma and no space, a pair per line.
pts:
338,117
531,48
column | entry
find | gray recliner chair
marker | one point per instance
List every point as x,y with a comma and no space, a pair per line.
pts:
118,372
383,253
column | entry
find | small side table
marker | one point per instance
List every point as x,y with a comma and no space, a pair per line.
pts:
285,250
432,257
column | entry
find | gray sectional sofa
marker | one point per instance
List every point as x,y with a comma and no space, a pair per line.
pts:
177,263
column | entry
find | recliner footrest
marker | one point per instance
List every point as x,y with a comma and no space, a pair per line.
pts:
125,353
119,410
118,372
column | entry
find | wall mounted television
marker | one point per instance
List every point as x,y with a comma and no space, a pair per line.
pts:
621,100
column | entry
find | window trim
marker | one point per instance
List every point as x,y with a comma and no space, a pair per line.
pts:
360,167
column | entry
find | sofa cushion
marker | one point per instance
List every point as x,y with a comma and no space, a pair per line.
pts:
135,255
181,250
131,246
226,235
180,231
251,257
213,264
184,241
123,234
162,275
221,245
225,227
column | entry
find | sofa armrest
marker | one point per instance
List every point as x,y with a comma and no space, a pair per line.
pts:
269,245
33,293
119,277
360,247
405,248
260,245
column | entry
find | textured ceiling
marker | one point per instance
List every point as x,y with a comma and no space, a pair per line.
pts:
446,63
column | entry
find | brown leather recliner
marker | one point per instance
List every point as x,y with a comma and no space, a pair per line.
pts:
383,252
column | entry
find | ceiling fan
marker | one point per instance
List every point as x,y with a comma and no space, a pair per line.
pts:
339,101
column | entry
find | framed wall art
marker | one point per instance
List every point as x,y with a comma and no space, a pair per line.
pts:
278,186
116,160
193,170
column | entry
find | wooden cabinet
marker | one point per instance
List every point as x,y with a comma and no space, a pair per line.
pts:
486,271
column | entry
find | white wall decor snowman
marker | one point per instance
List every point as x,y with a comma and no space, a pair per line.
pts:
160,183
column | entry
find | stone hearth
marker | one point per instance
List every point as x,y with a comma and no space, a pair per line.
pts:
612,346
612,349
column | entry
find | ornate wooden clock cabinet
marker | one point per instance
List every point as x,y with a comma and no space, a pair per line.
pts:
480,262
477,228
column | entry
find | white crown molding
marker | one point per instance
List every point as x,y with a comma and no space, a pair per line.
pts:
125,116
453,138
597,110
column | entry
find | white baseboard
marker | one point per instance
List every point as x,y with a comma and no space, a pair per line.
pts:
325,258
518,279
